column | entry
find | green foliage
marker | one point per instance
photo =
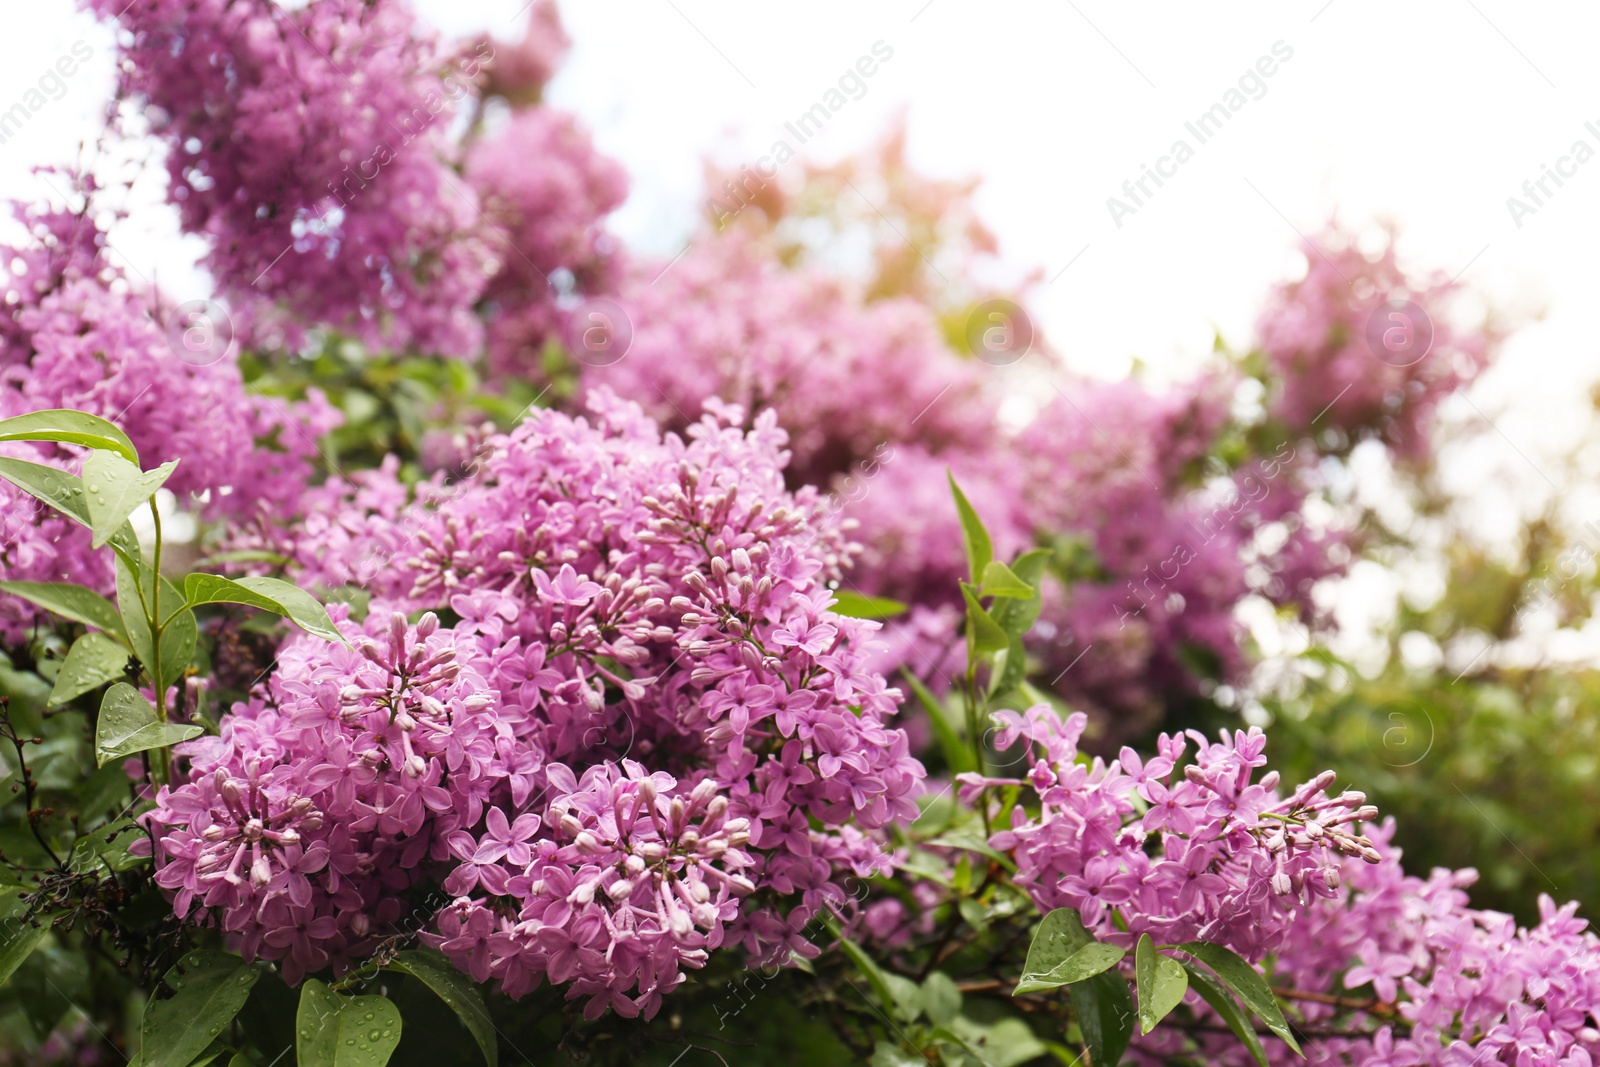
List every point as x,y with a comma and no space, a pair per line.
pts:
128,725
333,1030
209,989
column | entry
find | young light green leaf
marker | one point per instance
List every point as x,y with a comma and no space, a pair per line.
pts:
1088,961
68,427
93,660
980,549
457,992
1161,981
115,489
1227,1009
333,1030
70,602
999,581
64,492
1246,983
1016,615
128,724
956,754
856,605
984,631
269,594
211,988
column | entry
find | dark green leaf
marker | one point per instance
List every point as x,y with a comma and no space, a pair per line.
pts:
1227,1009
980,550
338,1031
860,606
211,988
1105,1016
1246,983
269,594
18,938
114,489
458,993
128,724
69,427
70,602
1161,982
93,660
1090,960
108,847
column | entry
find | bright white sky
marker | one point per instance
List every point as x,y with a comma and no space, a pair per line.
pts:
1429,113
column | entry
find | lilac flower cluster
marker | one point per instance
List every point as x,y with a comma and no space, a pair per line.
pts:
728,321
76,334
645,734
1303,881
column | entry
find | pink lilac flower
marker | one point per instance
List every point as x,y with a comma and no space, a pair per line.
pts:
646,736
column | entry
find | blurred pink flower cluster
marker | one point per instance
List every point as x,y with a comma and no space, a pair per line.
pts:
77,335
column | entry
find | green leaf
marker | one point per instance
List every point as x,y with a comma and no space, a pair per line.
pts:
1016,616
338,1031
70,602
114,489
108,847
1227,1009
458,993
1105,1016
211,988
1161,981
999,581
269,594
1001,1043
1059,935
178,638
128,724
93,660
887,995
941,1000
1102,1004
1090,960
980,550
956,754
68,427
18,939
855,605
64,492
1013,668
981,627
1246,983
